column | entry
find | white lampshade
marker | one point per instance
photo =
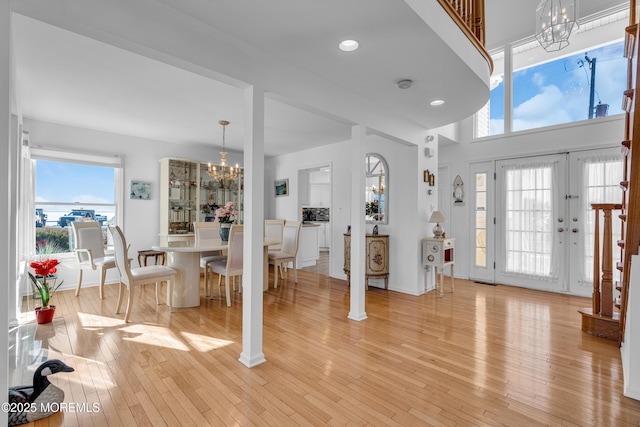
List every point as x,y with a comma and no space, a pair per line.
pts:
437,216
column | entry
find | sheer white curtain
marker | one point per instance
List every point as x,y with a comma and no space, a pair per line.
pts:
531,192
601,176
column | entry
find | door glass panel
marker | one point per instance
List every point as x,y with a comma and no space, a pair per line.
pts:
529,220
481,220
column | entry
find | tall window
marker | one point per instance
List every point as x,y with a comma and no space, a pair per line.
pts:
71,191
585,85
490,119
545,89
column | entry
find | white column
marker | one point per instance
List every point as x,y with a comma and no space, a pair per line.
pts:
508,89
252,280
358,226
5,212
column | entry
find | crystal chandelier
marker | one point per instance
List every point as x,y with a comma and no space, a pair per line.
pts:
555,20
222,172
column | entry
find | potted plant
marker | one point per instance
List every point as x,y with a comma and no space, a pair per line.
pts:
44,281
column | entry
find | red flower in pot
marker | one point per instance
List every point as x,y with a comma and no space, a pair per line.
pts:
44,281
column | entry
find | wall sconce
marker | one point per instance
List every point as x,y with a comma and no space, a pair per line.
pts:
429,178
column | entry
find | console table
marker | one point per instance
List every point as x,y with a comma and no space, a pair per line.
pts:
438,253
377,258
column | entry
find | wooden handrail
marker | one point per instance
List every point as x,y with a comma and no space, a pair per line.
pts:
469,16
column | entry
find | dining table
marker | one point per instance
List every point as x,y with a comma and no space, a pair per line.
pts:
184,257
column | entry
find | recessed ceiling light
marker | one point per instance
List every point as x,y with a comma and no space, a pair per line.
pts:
437,102
348,45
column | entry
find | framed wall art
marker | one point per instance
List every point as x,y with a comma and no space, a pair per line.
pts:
140,190
282,187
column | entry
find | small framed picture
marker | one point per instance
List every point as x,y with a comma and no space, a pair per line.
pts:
140,190
282,187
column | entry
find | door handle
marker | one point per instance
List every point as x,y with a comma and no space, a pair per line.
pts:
575,230
560,229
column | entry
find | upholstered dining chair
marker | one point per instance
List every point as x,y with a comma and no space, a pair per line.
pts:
274,228
287,253
208,230
90,251
131,277
232,266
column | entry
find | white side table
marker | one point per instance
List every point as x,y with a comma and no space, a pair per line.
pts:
439,253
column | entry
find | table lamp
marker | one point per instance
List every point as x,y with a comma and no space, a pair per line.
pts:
437,217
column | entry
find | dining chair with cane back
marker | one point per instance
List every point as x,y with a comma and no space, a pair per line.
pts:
232,266
203,231
287,253
89,251
274,228
130,277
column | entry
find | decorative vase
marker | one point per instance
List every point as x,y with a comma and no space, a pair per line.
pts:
224,231
45,314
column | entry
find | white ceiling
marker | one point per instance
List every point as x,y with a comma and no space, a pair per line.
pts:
67,78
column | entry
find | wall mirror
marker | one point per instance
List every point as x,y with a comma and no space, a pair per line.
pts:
376,189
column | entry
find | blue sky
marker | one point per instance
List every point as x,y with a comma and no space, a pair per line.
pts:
58,182
558,91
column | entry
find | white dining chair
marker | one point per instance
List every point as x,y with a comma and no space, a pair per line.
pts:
232,266
90,251
203,231
131,277
287,253
273,229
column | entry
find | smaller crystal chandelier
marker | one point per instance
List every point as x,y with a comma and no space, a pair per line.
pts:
555,20
223,172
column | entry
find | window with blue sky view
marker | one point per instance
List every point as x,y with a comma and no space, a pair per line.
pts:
559,91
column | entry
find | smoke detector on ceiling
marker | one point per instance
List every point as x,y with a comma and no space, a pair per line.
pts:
405,84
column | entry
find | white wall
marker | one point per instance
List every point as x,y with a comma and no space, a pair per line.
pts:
408,203
597,133
141,223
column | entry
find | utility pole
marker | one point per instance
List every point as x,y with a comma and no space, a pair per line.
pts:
592,84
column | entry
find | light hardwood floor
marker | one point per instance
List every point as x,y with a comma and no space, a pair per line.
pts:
485,355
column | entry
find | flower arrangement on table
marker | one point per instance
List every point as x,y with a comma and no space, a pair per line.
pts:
45,280
227,214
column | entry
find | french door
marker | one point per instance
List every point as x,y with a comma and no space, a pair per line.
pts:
543,218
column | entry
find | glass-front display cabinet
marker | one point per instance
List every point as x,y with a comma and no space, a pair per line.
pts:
179,198
217,190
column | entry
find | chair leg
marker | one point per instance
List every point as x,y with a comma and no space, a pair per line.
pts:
158,286
239,284
119,297
170,295
295,271
103,277
79,281
129,304
228,290
206,283
276,267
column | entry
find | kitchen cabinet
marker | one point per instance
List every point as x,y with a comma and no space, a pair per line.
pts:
308,253
324,236
376,258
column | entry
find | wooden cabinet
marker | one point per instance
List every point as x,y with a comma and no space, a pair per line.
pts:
189,194
377,258
439,253
179,198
